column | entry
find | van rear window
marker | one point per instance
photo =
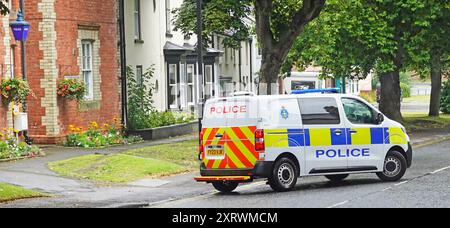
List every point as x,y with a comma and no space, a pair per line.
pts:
319,111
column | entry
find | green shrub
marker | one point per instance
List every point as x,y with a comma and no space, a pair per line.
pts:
445,100
406,90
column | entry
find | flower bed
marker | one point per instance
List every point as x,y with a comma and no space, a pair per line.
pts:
11,147
97,136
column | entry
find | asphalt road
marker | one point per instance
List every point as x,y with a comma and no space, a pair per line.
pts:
426,184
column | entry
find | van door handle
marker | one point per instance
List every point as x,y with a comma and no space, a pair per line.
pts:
353,131
338,132
219,136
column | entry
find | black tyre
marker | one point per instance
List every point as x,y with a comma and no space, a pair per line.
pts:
337,178
225,186
284,175
394,167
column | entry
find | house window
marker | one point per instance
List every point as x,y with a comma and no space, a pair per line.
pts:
173,87
190,83
139,74
168,18
86,47
208,81
137,20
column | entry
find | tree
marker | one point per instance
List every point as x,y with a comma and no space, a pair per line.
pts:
4,7
278,24
354,37
430,52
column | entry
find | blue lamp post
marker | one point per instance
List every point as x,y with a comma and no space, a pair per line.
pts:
20,28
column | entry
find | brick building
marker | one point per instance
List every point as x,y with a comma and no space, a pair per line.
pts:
70,38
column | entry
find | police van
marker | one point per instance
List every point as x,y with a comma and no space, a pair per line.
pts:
285,137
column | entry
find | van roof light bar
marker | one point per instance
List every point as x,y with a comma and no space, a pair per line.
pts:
306,91
243,93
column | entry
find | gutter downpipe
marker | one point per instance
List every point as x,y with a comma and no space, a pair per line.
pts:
123,63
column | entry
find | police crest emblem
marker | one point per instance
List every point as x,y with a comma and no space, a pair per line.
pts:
284,113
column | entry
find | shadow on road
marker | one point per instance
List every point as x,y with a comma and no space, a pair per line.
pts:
305,187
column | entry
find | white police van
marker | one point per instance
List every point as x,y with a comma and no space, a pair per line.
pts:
285,137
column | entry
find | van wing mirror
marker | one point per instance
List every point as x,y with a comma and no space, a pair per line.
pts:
380,118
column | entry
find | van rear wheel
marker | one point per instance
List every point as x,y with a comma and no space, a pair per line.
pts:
225,186
337,178
284,175
394,167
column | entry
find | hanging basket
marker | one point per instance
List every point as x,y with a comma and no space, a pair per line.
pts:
14,90
71,89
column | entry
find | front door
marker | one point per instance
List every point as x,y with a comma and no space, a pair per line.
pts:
325,138
365,136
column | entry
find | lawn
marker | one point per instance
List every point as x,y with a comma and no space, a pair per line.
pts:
419,99
153,161
9,193
420,121
184,153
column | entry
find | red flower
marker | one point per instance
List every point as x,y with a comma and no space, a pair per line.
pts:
8,88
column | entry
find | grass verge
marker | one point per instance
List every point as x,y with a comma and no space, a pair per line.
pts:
419,98
184,153
10,193
132,165
421,121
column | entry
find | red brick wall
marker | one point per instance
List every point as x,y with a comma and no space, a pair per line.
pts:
100,14
34,73
69,15
2,63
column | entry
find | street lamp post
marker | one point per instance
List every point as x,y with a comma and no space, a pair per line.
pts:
20,29
200,62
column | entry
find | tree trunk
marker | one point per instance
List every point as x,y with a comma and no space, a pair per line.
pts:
436,84
270,70
390,103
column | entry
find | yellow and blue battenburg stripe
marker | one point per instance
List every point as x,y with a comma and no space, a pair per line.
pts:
278,138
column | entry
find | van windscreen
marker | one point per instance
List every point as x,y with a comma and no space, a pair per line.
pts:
319,111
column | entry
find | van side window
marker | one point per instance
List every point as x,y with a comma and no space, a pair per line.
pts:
319,111
357,112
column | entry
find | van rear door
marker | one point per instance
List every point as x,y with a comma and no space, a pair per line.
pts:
229,133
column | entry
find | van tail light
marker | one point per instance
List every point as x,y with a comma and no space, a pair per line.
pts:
260,146
201,148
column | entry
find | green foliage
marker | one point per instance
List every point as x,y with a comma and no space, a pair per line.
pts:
431,47
406,90
355,37
72,89
4,7
445,100
141,113
140,98
277,24
219,17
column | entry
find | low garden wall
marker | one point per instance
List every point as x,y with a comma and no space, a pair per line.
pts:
166,132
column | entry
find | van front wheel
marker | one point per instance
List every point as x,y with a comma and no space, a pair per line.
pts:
394,167
225,186
284,175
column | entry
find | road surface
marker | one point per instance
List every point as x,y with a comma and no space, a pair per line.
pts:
426,184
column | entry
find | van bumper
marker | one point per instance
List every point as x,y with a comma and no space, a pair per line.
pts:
262,169
409,155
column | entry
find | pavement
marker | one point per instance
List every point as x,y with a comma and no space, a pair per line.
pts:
182,191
